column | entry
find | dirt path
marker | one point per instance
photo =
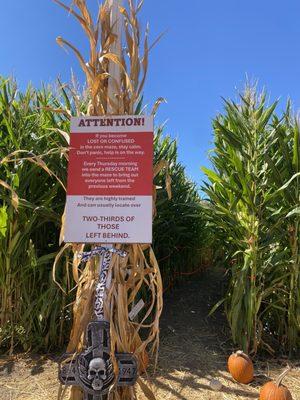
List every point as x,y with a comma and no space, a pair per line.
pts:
194,349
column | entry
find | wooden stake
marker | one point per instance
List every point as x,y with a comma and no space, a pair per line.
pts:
116,48
115,76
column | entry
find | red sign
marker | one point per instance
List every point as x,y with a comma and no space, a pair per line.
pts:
109,195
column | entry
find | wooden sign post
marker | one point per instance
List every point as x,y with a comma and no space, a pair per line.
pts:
116,48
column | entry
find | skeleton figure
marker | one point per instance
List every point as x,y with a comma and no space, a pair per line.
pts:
97,373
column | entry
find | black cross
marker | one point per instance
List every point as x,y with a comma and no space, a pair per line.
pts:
92,369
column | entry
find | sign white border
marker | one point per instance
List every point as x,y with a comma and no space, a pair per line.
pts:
85,213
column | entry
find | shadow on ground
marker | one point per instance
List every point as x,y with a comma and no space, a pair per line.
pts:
194,349
195,346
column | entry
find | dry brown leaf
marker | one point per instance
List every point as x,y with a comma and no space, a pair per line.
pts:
157,104
115,59
62,229
64,134
14,196
57,259
169,184
159,166
62,42
67,113
146,390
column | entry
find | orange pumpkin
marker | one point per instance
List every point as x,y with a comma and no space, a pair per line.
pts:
241,367
275,390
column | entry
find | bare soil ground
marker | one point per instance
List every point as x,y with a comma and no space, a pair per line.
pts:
194,349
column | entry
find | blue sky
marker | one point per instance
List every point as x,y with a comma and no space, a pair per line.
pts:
206,53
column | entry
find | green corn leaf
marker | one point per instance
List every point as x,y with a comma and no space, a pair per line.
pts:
3,221
295,211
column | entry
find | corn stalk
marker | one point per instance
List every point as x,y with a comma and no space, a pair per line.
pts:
30,206
254,197
285,164
140,273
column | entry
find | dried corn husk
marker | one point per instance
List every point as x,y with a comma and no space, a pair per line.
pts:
137,276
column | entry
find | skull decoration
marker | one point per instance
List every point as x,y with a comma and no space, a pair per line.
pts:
92,369
97,372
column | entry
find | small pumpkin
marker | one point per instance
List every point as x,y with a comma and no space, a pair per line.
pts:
275,390
241,367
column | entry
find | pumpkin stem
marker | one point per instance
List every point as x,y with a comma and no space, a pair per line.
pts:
282,376
242,354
